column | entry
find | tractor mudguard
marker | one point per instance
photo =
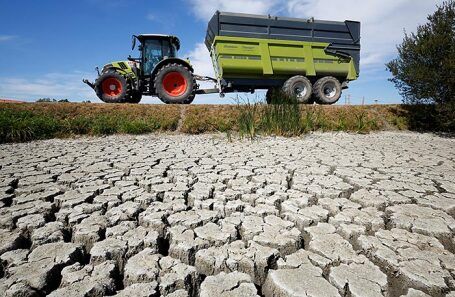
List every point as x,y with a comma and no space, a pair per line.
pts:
122,67
168,61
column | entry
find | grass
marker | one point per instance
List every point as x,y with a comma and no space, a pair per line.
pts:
281,118
31,121
285,117
24,122
209,118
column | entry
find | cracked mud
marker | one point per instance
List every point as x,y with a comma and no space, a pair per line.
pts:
177,215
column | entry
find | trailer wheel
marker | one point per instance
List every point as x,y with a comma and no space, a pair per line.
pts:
327,90
175,84
112,87
299,87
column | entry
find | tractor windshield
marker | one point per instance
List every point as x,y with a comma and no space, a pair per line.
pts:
153,54
154,51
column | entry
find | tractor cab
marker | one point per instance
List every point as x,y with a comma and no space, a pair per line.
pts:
155,48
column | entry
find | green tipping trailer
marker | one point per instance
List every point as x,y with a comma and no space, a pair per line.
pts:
310,59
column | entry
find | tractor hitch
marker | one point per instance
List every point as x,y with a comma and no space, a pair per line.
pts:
91,85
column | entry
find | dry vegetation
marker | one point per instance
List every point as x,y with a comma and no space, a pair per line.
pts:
29,121
23,122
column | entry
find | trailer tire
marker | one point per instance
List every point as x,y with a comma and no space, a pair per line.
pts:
112,87
312,100
298,87
327,90
175,84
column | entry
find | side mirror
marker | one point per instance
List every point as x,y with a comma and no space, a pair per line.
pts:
133,46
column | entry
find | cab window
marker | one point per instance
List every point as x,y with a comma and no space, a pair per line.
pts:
153,54
168,49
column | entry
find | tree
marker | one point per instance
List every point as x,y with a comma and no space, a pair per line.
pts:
52,100
45,100
424,71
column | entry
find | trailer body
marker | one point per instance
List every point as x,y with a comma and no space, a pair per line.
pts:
253,52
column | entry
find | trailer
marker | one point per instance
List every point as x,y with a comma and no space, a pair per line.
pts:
311,60
307,58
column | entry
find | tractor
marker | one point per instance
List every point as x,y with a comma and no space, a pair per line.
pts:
157,72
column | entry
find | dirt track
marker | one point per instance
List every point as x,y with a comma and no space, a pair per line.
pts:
175,215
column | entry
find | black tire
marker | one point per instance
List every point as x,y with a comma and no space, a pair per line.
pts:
184,84
327,90
312,100
119,87
135,97
298,87
272,94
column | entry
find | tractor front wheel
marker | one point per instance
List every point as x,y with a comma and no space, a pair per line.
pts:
175,84
112,87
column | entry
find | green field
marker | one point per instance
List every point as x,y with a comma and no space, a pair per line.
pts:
31,121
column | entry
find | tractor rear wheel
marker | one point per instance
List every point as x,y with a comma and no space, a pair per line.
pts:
175,84
112,87
327,90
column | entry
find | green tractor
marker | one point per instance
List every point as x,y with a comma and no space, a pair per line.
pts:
158,72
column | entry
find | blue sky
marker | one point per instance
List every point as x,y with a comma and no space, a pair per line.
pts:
48,46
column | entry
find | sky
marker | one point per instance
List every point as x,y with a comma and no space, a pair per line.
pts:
47,47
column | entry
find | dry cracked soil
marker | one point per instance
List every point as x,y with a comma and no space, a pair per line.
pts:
177,215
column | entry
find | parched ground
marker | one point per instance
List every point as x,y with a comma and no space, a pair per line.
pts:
177,215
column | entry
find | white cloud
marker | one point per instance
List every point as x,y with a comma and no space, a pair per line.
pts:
4,38
151,17
383,21
204,9
202,64
52,85
200,60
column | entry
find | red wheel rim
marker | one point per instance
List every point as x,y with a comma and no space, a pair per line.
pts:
112,87
175,84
